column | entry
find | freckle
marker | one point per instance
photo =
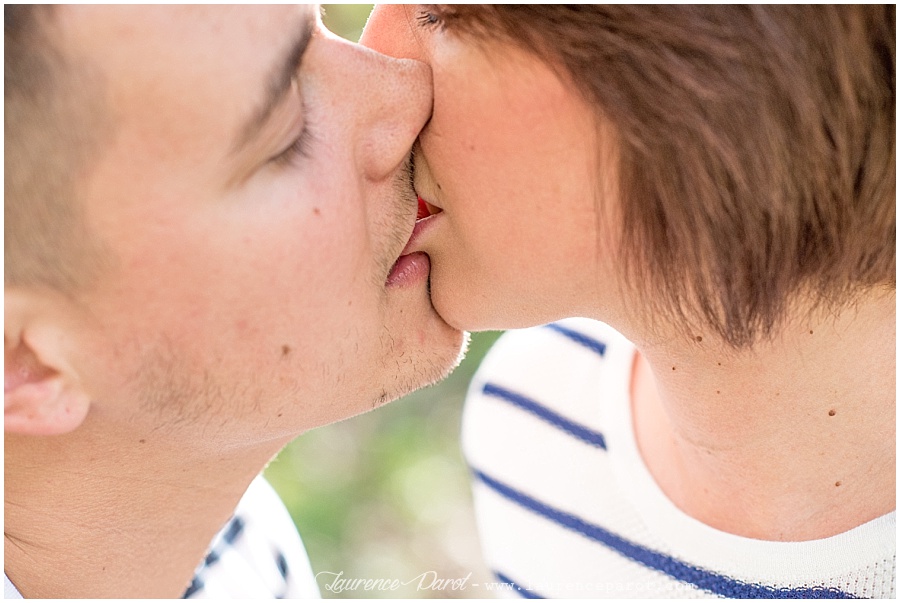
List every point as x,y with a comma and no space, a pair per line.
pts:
316,211
279,414
810,331
349,303
142,441
832,412
285,350
699,338
837,484
719,363
718,392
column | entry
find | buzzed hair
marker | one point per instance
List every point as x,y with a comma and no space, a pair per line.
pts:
51,130
756,159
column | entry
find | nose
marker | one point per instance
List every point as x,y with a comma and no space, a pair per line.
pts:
389,101
389,31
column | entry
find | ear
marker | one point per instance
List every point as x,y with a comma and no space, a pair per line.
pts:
42,393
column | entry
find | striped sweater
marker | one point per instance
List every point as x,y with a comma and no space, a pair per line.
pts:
566,508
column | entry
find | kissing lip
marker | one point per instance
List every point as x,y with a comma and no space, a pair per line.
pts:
422,226
422,181
424,220
413,265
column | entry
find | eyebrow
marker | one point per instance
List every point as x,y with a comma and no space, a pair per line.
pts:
279,84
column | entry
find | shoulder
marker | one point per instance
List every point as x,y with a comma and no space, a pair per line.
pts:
257,554
569,349
562,366
536,422
547,382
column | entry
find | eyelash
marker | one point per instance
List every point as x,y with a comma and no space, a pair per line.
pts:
300,148
428,19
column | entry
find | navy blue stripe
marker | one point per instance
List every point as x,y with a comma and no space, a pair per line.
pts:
595,345
585,434
196,584
281,562
523,592
211,559
704,579
234,530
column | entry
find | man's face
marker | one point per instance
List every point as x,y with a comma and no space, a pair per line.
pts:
253,197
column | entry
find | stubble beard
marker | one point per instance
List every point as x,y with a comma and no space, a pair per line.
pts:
422,366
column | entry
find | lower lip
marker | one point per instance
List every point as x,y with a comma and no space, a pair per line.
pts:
409,269
422,226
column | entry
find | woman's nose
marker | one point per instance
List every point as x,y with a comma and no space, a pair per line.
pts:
389,31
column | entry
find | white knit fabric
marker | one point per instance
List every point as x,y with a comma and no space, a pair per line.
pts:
264,559
10,591
566,507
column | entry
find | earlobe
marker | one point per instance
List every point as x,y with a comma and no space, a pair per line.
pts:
42,396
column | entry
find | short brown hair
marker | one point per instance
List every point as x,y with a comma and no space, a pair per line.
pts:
756,159
50,130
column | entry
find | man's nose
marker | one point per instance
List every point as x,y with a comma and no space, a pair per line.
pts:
402,106
392,101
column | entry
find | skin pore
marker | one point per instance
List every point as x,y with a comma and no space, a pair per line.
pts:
792,439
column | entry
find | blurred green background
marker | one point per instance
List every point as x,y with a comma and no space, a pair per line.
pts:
386,494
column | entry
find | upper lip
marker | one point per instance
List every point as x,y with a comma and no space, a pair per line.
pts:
417,180
410,231
411,220
433,209
411,243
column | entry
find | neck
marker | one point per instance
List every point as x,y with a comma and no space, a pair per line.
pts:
791,440
131,517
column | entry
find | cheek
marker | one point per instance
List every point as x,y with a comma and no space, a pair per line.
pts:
517,171
508,190
269,258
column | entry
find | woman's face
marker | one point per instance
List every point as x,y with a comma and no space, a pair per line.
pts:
510,162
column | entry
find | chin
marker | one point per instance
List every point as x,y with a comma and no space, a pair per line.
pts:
468,310
438,366
421,349
424,368
461,311
441,354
